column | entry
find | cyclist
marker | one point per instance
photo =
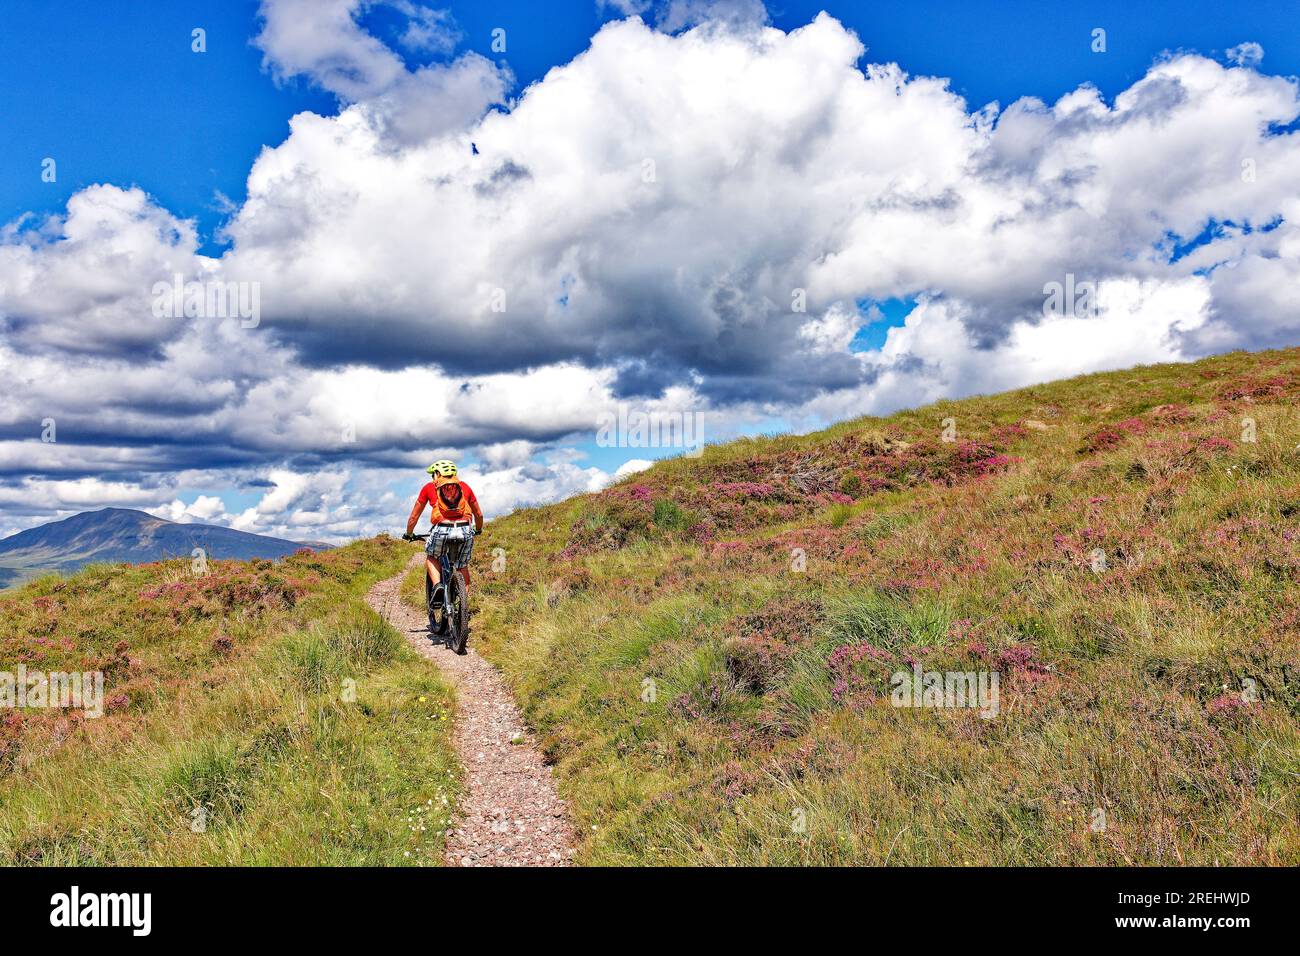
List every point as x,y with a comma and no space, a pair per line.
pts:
456,519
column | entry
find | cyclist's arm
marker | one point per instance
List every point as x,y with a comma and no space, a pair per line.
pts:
415,514
478,515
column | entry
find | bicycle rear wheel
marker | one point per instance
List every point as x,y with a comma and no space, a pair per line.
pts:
458,629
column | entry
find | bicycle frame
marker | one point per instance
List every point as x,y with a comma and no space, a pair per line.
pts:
454,633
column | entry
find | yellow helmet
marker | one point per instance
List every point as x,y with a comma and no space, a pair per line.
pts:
444,467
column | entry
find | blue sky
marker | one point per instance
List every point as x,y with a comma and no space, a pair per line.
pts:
667,298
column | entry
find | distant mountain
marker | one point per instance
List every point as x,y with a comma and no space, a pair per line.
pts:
129,537
12,577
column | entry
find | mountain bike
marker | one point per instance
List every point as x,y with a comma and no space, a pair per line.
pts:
448,607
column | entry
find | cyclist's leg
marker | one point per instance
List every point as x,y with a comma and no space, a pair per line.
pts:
467,551
431,552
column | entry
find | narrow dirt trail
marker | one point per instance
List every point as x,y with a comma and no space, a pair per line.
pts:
511,815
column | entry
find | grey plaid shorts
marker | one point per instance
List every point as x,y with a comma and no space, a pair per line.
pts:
456,543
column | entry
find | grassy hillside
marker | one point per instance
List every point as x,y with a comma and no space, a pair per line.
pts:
1115,547
231,735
